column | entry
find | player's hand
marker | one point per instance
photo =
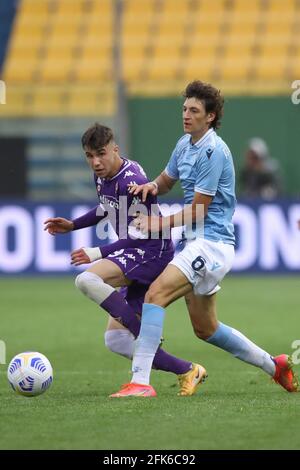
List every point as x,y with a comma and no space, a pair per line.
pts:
146,188
85,256
146,224
58,225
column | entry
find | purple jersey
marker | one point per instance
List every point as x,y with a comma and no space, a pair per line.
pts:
120,205
140,259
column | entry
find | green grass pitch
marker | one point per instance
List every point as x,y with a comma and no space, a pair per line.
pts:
237,408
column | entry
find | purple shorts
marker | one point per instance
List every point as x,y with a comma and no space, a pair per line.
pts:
143,265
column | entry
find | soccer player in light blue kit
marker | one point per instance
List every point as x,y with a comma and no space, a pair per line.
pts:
203,164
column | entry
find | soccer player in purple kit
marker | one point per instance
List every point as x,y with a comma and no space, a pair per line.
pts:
131,262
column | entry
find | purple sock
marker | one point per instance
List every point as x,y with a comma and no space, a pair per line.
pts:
165,361
121,311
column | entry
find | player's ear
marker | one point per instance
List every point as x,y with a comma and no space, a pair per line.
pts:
211,117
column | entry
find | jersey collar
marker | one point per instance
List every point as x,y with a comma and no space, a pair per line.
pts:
203,139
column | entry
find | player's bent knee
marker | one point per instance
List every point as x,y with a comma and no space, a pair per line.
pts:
120,341
91,285
201,334
155,296
81,282
111,339
204,333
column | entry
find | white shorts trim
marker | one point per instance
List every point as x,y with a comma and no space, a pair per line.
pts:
205,263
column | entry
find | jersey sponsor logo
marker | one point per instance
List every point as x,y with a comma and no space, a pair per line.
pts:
105,200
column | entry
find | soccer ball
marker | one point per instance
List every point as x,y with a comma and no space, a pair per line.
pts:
30,373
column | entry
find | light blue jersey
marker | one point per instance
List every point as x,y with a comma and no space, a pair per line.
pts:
207,167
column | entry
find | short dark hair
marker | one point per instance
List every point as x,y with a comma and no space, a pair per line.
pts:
211,97
97,137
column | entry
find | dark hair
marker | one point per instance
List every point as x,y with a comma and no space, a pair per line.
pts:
211,97
97,137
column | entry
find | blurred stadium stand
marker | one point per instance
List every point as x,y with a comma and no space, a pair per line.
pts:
58,55
60,66
61,51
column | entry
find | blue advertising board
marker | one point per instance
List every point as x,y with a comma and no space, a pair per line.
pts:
268,238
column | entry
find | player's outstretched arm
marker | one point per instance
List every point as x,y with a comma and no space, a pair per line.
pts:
60,225
161,185
56,225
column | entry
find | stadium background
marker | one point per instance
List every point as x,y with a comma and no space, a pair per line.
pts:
67,63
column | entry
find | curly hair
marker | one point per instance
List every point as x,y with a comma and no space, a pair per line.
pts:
211,98
97,137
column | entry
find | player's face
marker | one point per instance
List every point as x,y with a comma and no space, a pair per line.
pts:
105,162
196,121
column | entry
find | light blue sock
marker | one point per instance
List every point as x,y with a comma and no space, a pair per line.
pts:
147,342
236,343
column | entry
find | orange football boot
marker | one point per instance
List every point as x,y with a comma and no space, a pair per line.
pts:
284,374
135,390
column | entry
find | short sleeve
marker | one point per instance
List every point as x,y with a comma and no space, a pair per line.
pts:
171,168
209,169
